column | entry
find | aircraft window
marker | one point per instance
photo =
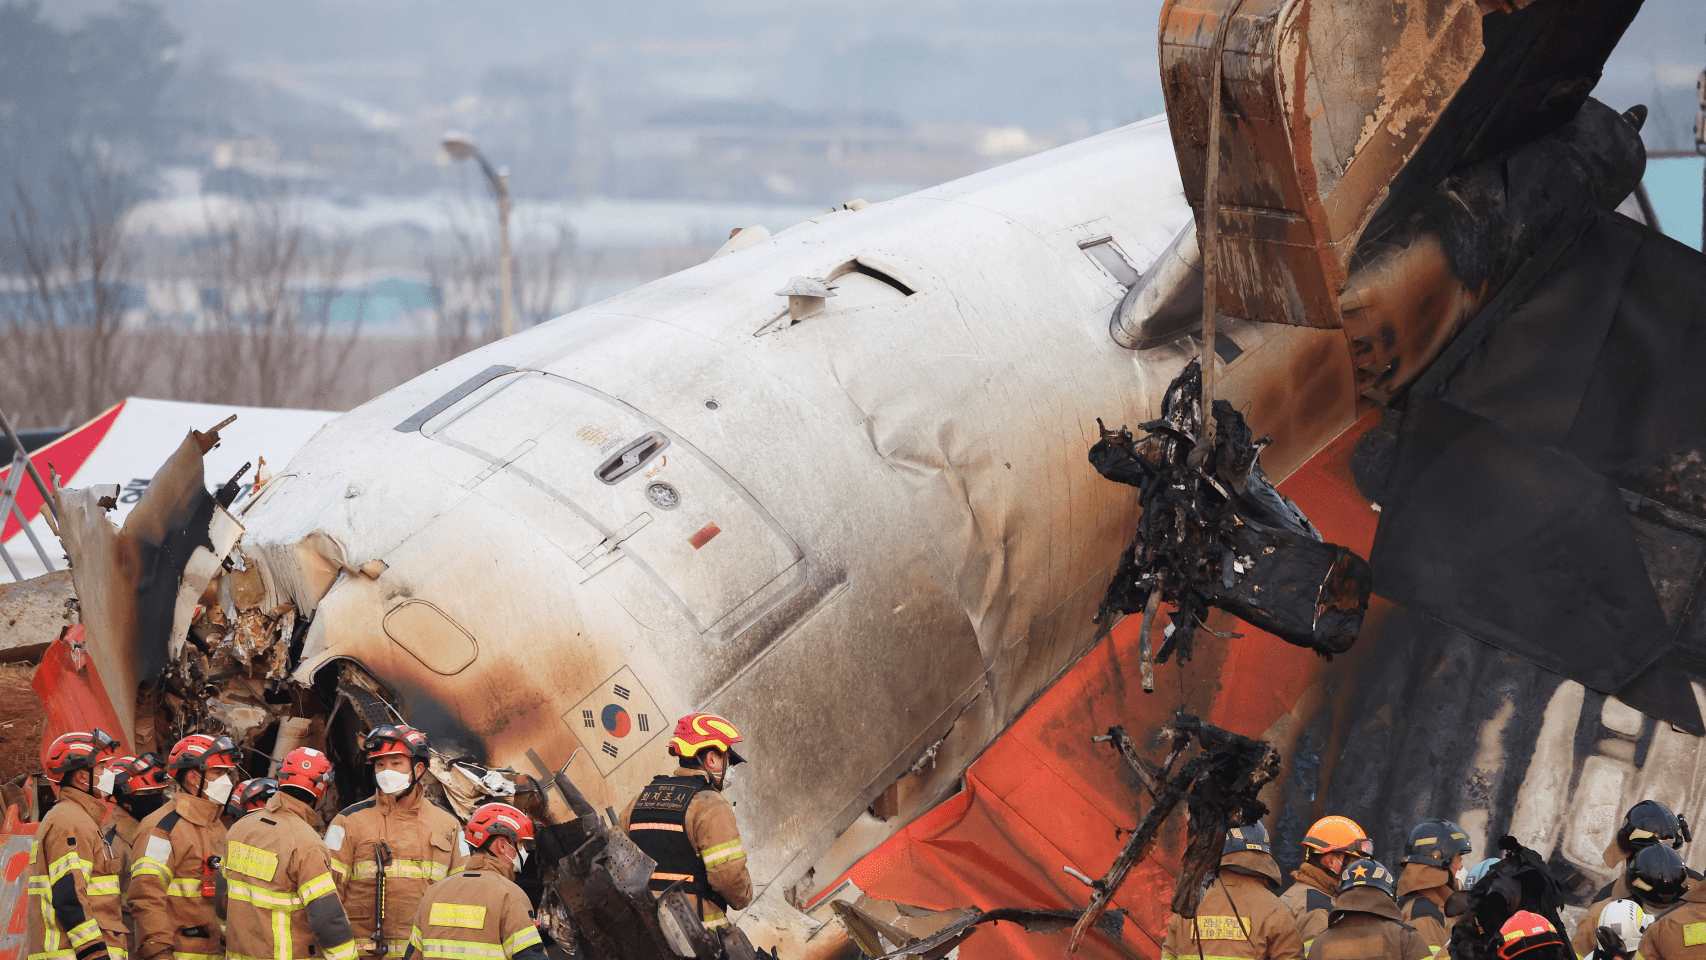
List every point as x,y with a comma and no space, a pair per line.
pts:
631,458
1112,260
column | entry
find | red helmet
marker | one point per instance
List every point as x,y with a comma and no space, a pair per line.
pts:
251,795
696,731
397,740
306,769
139,774
198,751
498,820
70,752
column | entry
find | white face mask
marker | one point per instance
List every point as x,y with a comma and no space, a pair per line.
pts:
105,783
517,859
391,782
219,790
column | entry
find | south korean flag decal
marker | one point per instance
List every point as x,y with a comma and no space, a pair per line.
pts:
615,721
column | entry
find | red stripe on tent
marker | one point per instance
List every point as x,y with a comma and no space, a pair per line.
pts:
1044,796
67,455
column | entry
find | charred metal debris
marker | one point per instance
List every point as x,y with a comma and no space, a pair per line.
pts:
1215,532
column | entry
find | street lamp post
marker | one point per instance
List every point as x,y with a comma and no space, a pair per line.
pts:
460,146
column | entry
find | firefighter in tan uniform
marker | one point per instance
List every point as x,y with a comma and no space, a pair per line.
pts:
73,907
1330,844
277,892
479,912
138,788
1680,932
1364,923
397,835
1646,824
684,822
1657,882
178,848
1429,876
1239,916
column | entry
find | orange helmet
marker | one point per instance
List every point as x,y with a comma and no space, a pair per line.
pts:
498,820
305,768
198,751
1338,835
139,774
397,739
70,752
696,731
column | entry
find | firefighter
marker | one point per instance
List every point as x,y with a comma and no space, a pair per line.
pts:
1656,879
479,912
1239,917
138,788
172,880
1530,936
277,892
1653,877
1645,824
1432,859
684,822
1680,932
73,886
397,835
1327,847
1364,923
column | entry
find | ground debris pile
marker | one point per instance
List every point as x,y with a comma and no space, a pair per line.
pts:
1215,532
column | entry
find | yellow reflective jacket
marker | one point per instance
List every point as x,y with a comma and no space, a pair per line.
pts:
421,839
73,906
477,913
280,902
169,880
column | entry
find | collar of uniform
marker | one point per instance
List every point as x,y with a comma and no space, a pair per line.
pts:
1696,892
1366,900
690,772
486,862
1312,876
1253,865
1425,877
282,802
198,810
90,804
406,803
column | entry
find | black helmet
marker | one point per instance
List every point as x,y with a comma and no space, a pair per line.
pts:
1368,873
1253,837
1656,874
1647,823
1436,843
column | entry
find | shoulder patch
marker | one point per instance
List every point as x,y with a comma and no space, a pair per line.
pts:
357,807
335,836
169,822
1316,900
159,849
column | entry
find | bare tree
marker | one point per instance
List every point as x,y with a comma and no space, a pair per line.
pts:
62,326
277,326
470,290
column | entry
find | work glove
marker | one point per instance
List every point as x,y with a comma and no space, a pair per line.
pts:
1611,945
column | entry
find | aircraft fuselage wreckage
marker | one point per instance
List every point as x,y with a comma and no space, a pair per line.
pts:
858,515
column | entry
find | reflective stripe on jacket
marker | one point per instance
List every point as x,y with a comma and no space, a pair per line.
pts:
477,913
281,903
421,838
1239,919
166,880
1680,932
72,908
712,836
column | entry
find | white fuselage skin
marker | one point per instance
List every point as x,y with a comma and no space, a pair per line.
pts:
909,541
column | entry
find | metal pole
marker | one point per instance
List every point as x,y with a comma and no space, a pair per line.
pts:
508,262
41,486
1700,148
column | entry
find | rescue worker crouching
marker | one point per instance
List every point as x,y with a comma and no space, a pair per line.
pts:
1657,881
1648,826
398,834
73,891
479,912
1239,917
1364,923
138,788
1330,843
1428,877
276,882
181,844
684,822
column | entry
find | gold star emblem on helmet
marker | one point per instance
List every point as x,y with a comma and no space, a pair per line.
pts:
1360,872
